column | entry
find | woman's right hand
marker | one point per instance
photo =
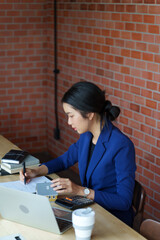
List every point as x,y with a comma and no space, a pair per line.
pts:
29,174
32,173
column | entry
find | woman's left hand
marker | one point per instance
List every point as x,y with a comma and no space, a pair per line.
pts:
65,185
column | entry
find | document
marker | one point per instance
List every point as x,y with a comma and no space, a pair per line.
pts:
29,187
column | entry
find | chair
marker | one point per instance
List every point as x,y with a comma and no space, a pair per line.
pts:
150,229
138,205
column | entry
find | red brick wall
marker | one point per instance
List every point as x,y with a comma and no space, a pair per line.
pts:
23,72
115,45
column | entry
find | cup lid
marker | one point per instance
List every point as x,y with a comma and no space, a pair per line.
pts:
83,216
84,212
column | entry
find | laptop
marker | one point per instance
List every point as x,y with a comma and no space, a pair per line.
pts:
33,210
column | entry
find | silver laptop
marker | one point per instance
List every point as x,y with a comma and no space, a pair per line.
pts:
33,210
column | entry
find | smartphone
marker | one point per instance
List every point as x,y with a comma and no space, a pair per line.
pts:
46,190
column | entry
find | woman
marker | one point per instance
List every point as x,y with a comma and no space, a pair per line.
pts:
105,156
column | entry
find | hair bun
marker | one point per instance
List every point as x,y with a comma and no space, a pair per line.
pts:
112,112
108,106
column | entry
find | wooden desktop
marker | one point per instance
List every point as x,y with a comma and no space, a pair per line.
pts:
106,225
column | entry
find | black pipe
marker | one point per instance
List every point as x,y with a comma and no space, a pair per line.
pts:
55,71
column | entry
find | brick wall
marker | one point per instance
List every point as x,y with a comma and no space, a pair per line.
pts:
23,72
115,45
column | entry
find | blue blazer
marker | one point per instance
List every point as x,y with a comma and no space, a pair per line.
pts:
111,171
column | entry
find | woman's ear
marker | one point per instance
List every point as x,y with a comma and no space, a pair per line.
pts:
90,115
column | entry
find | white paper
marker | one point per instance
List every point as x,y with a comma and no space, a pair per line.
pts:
29,187
12,237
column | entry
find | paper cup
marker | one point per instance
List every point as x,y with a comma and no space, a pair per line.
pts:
83,220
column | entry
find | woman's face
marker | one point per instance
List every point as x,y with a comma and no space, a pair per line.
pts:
75,119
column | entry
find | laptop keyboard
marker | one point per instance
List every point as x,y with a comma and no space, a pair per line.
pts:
63,224
63,217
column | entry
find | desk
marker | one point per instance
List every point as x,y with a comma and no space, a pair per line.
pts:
5,146
107,227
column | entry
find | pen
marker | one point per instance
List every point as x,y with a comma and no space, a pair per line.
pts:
24,171
17,238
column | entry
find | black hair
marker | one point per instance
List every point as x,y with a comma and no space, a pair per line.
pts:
87,97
